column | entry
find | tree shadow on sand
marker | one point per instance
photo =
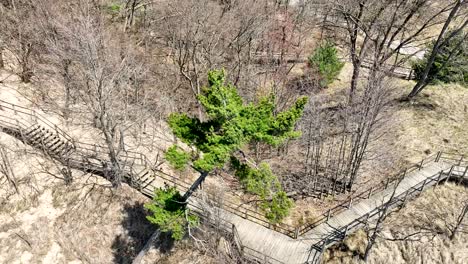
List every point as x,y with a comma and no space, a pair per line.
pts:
137,232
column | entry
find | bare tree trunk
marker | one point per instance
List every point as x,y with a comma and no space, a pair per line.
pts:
147,247
460,219
5,169
67,83
384,212
2,63
436,50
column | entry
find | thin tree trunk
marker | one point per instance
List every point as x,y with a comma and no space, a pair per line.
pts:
459,221
435,51
147,247
5,168
2,63
354,80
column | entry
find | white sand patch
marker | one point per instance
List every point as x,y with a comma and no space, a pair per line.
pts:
54,255
25,257
45,209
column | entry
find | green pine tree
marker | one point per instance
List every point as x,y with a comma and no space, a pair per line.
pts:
232,125
169,212
325,59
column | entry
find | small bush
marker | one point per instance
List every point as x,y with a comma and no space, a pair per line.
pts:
278,208
262,182
114,8
168,212
325,59
177,158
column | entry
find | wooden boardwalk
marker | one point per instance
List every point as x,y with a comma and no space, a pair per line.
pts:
256,241
274,247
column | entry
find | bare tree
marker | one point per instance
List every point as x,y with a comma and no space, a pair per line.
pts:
442,40
6,169
105,73
459,226
337,136
382,214
19,36
379,30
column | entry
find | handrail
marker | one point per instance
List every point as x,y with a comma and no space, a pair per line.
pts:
362,195
401,198
38,116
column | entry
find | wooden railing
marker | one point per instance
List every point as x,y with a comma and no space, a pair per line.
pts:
364,195
400,199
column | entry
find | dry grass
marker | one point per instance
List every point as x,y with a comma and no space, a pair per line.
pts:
430,211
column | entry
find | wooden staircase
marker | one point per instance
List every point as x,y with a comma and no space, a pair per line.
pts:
33,129
48,141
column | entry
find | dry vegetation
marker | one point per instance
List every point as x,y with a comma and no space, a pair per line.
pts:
85,222
427,217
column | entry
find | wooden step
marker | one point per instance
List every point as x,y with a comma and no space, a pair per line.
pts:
53,143
149,182
36,134
32,130
50,140
58,148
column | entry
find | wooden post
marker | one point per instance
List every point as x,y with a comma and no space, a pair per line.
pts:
350,202
424,184
296,232
345,231
460,161
404,198
328,214
463,175
421,164
386,184
367,218
449,174
440,176
325,244
439,154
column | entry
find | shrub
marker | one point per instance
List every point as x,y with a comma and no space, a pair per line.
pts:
325,59
177,158
278,208
169,213
262,182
